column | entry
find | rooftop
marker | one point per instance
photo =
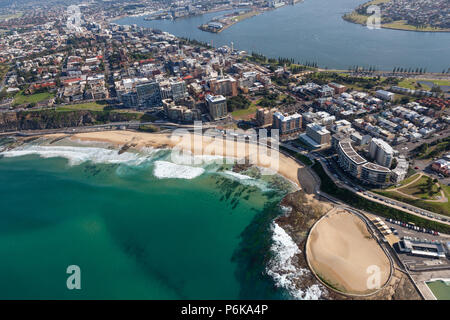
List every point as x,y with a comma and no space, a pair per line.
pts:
218,98
347,148
282,117
375,167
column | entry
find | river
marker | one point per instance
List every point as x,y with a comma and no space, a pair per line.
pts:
314,31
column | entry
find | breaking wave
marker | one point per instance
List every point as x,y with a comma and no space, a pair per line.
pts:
78,155
167,163
188,158
246,180
282,269
167,170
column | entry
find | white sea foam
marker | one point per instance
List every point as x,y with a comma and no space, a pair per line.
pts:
238,175
187,158
286,209
282,269
77,155
246,180
166,170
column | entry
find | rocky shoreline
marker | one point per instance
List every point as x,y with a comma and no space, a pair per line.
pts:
297,222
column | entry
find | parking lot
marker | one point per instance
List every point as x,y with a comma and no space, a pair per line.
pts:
412,262
415,232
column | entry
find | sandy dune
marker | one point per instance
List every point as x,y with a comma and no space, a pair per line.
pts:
340,250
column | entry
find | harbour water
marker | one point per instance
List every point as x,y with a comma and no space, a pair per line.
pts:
138,226
314,31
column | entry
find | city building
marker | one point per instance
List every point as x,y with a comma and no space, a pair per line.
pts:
442,166
287,124
375,174
178,90
422,248
349,159
381,152
129,99
264,116
341,126
316,135
225,86
400,171
217,106
385,95
149,95
351,162
338,88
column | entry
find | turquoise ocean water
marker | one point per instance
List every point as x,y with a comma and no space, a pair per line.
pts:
138,226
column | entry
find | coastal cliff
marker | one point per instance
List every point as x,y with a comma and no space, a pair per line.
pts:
50,119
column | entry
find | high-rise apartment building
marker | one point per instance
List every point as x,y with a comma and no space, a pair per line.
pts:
320,135
225,86
217,106
287,124
381,152
178,89
149,94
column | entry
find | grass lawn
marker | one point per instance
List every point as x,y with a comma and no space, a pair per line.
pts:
130,111
356,17
20,98
419,189
402,25
435,151
411,84
438,82
246,16
438,207
3,70
244,113
10,16
301,157
405,182
301,144
93,106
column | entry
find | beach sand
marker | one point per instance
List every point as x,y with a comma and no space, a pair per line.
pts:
198,145
340,249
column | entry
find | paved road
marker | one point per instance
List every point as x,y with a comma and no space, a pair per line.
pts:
381,199
406,148
108,126
344,183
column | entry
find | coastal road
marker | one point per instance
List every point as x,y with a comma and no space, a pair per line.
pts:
381,199
108,126
342,182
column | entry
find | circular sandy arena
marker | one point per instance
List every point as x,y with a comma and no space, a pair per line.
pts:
344,256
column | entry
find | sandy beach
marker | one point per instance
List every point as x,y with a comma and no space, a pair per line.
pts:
340,250
198,145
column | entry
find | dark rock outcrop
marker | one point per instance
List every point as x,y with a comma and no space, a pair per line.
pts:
51,119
